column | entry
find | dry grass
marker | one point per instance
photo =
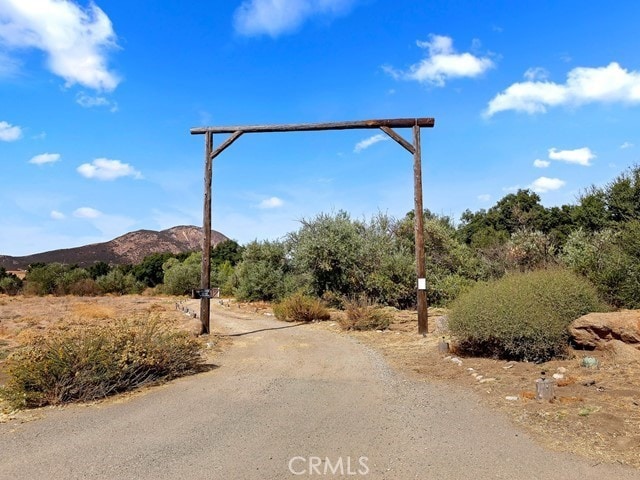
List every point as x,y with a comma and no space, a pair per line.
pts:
301,308
72,363
23,318
92,310
360,314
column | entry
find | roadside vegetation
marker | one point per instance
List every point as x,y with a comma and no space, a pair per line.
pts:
522,316
87,362
334,257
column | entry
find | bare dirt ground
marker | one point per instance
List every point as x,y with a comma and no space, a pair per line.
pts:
596,414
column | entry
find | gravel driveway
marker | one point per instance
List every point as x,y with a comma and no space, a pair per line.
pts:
286,402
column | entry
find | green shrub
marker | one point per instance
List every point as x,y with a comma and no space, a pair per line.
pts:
84,363
521,316
116,281
86,287
363,315
261,274
300,308
610,260
182,277
10,285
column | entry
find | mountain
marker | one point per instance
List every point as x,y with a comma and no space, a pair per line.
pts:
129,248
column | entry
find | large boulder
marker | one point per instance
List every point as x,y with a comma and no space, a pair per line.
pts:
596,330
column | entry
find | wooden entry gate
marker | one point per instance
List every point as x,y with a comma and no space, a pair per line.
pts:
386,125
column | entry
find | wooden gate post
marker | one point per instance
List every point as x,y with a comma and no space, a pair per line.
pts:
205,277
419,234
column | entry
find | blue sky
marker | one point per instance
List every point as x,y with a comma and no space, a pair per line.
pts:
97,99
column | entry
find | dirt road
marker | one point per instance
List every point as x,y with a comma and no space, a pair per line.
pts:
286,402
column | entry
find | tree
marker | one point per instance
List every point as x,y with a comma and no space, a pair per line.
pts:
10,284
182,277
98,269
42,279
329,248
261,274
228,251
150,271
118,282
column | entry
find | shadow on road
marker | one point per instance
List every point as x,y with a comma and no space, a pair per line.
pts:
260,330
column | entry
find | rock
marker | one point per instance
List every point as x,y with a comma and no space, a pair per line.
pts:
441,324
623,352
558,376
562,370
596,329
511,398
487,380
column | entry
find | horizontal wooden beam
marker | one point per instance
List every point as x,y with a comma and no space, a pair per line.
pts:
307,127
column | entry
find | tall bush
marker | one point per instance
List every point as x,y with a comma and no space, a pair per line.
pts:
261,274
523,315
610,260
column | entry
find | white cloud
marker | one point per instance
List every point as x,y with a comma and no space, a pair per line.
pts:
584,85
541,163
9,67
367,142
485,197
87,212
580,156
89,101
74,39
546,184
536,73
442,63
275,17
45,158
56,215
273,202
106,169
626,145
9,133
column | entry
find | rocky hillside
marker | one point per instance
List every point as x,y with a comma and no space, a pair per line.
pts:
129,248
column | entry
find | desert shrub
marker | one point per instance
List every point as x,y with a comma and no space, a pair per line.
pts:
364,315
301,308
529,250
85,363
86,287
181,277
120,283
43,279
65,282
10,284
521,316
262,272
443,287
150,271
610,260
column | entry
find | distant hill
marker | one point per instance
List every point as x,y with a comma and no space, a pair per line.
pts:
129,248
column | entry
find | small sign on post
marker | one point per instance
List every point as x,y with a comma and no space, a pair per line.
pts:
201,293
422,284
